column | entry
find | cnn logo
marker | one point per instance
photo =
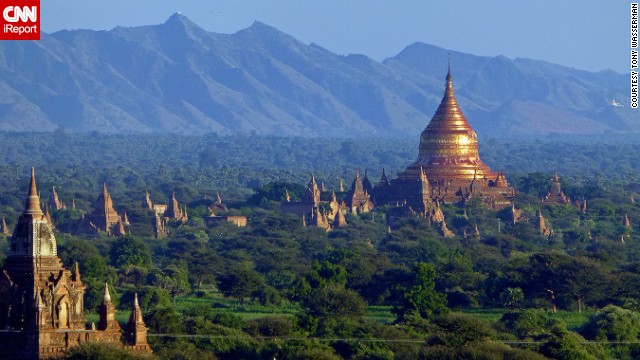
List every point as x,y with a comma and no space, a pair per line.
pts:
20,20
14,14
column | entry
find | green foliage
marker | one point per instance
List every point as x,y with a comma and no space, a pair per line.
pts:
326,273
149,298
456,329
130,250
306,350
227,319
334,302
481,351
164,320
566,345
612,323
327,277
239,282
527,324
420,295
173,278
270,326
98,351
275,191
267,295
512,297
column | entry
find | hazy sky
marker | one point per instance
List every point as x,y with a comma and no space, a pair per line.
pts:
591,34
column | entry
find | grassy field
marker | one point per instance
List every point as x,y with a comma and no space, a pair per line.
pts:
382,314
121,316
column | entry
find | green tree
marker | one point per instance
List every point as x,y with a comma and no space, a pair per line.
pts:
612,323
420,295
326,273
334,301
567,345
239,282
98,351
130,250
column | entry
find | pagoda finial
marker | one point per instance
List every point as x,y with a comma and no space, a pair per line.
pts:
33,200
39,304
135,300
449,75
107,297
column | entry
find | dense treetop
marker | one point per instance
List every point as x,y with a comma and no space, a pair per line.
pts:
325,285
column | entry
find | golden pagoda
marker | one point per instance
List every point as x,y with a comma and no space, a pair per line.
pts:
448,145
448,168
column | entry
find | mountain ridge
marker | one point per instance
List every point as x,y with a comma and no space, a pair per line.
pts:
176,77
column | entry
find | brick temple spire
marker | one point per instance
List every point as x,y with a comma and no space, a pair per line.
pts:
32,205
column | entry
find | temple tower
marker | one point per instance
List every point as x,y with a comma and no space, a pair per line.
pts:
136,332
107,312
448,158
4,229
38,296
556,196
448,145
54,200
42,302
313,191
104,216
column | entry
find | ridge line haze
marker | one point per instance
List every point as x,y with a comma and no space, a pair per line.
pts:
179,78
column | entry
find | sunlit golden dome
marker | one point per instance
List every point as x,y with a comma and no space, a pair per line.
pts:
448,145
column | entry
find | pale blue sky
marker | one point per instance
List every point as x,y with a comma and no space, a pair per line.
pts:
591,35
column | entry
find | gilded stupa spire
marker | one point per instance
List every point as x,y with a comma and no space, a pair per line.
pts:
448,145
449,78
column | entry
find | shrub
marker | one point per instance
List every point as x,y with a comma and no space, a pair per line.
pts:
270,326
612,323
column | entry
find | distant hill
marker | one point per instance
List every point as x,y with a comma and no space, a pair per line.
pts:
178,78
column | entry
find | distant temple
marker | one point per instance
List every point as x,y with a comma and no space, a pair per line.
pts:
4,229
329,213
54,200
448,168
42,303
104,217
555,196
174,212
216,218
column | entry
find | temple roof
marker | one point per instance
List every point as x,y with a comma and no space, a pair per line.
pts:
448,145
32,205
448,116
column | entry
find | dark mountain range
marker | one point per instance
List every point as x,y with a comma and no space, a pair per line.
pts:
178,78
